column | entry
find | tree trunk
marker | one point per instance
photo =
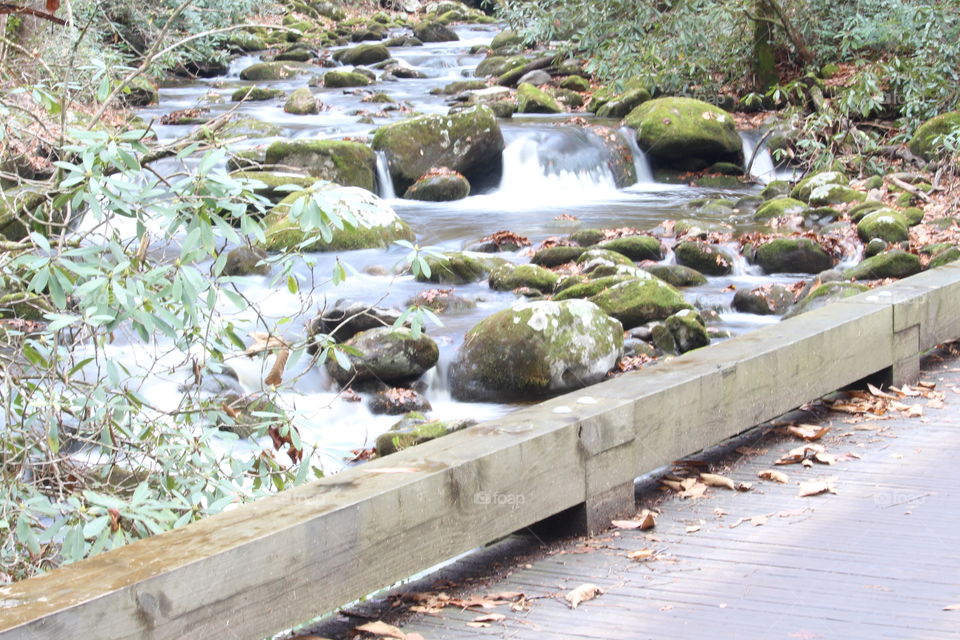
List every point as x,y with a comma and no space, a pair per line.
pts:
764,63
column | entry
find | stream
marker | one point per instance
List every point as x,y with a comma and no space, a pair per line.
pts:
550,169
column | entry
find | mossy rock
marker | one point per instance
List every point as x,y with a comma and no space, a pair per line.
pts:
726,169
621,105
706,258
834,194
698,228
252,128
340,79
295,55
439,188
923,143
824,294
246,415
388,355
951,254
246,261
140,92
587,237
459,267
536,349
556,256
255,94
806,186
24,306
677,275
886,224
770,300
468,142
688,330
575,83
261,71
858,211
567,98
793,255
342,161
913,215
272,181
685,133
508,277
889,264
302,102
775,189
434,31
637,301
585,288
243,42
378,225
459,86
363,54
636,248
530,99
411,432
16,207
593,258
498,65
506,38
718,182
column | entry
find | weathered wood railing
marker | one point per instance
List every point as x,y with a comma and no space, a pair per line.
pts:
267,566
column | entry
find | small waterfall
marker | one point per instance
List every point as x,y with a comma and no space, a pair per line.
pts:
762,168
556,165
384,181
640,161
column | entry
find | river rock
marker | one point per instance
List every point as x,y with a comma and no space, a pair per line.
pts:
271,71
468,142
688,330
621,105
246,261
706,258
536,77
676,275
459,267
779,208
346,320
508,277
268,183
923,143
415,429
397,401
556,256
859,211
806,186
139,92
444,186
302,102
575,83
638,301
636,248
792,255
536,349
442,301
776,189
767,300
255,94
244,42
432,31
823,295
685,133
506,38
342,161
388,355
340,79
582,287
363,54
889,264
530,99
378,225
886,224
946,256
248,415
828,194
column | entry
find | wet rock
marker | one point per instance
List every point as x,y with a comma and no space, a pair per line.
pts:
685,133
506,38
363,54
245,261
378,225
460,86
638,301
823,295
536,77
415,429
636,248
776,189
341,79
806,186
346,320
508,277
889,264
246,415
556,256
302,102
468,142
255,94
924,142
397,401
392,356
946,256
431,31
874,247
858,211
536,349
459,267
344,162
271,71
581,287
575,83
886,224
140,92
676,274
834,194
621,105
442,301
530,99
294,54
706,258
269,182
792,255
443,186
764,301
688,330
587,237
243,42
593,259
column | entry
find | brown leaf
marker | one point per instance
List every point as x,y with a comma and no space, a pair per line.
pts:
641,554
478,625
952,607
774,476
816,487
825,458
758,521
382,629
696,490
626,524
714,480
878,393
673,484
490,617
807,431
693,528
583,593
915,411
648,520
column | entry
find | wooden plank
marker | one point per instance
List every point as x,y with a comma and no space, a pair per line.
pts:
267,566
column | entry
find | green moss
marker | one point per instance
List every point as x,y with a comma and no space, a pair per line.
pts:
889,264
885,224
364,54
793,255
587,237
459,87
705,258
506,38
824,294
272,180
254,94
438,188
776,189
340,79
459,268
271,71
636,248
575,83
508,277
924,143
25,306
951,254
680,129
636,302
555,256
858,211
530,99
677,275
588,288
301,102
619,106
342,161
834,194
807,185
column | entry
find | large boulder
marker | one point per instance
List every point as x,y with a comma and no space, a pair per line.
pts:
685,133
889,264
824,294
676,274
640,300
347,163
346,320
363,54
508,277
439,186
779,208
536,349
886,224
432,31
392,356
706,258
767,300
792,255
923,143
468,142
530,99
339,79
636,248
273,71
377,224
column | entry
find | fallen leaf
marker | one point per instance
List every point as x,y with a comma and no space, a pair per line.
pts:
816,487
915,411
490,617
507,596
847,457
773,475
791,513
758,521
626,524
382,629
952,607
878,393
693,528
807,431
825,458
744,486
925,384
936,403
714,480
583,593
673,484
641,554
478,625
647,520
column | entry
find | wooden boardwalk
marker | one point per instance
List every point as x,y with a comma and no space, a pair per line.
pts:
878,559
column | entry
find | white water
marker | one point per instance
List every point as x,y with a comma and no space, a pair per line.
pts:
384,181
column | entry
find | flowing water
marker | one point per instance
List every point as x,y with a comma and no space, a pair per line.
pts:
549,169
